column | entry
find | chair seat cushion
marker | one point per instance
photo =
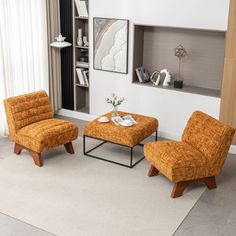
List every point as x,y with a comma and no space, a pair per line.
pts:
45,134
178,161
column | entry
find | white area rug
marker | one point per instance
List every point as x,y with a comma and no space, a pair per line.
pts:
73,195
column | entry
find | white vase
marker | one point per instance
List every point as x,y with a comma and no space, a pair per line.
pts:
80,37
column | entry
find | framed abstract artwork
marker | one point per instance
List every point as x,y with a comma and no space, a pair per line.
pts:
110,40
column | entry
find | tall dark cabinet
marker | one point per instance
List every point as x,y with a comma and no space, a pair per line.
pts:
67,83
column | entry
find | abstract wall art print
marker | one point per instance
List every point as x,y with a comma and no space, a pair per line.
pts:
110,44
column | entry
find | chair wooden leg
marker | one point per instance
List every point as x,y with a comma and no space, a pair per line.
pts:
37,158
210,182
179,188
18,148
69,148
153,171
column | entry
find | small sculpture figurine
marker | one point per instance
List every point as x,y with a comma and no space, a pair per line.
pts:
167,79
85,40
155,77
79,38
180,52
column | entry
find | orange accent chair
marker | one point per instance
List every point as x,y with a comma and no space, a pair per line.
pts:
32,126
199,156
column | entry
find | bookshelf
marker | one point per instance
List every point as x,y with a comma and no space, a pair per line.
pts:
80,61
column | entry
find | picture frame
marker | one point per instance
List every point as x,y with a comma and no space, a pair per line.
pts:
110,40
142,74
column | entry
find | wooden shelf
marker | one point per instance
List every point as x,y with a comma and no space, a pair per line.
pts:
84,67
81,18
81,85
186,89
81,47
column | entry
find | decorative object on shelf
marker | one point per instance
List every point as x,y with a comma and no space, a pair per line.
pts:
111,45
83,58
155,77
80,37
85,40
82,76
142,74
167,78
115,101
180,52
82,8
60,43
82,64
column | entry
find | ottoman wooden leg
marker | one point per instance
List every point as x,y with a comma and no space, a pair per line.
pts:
153,171
69,148
18,148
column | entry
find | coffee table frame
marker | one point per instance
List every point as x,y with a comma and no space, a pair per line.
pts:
131,165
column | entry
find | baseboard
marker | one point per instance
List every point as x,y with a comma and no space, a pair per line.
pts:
89,117
232,149
168,135
75,114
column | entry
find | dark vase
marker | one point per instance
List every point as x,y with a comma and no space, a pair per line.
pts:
178,84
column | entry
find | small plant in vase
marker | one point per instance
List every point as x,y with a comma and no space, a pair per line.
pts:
180,52
115,101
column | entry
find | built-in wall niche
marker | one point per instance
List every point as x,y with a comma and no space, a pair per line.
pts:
202,68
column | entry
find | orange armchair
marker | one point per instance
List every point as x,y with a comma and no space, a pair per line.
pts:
199,156
32,126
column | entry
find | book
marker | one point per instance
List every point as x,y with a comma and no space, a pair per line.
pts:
119,120
80,76
82,64
81,8
85,77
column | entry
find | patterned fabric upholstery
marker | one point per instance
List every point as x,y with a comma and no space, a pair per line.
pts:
201,153
31,123
27,109
128,136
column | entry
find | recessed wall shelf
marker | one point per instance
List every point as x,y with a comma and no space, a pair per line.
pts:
186,89
202,68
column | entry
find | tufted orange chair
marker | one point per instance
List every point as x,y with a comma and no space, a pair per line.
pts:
32,126
199,156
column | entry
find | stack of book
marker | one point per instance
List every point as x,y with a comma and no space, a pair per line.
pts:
82,75
82,64
82,8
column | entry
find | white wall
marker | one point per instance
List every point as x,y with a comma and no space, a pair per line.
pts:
170,107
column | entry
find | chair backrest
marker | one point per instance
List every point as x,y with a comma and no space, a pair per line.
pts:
209,136
27,109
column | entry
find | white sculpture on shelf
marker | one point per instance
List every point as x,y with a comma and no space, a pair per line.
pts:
85,40
155,78
167,77
79,38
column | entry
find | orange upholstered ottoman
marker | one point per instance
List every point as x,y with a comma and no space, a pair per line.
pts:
124,136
